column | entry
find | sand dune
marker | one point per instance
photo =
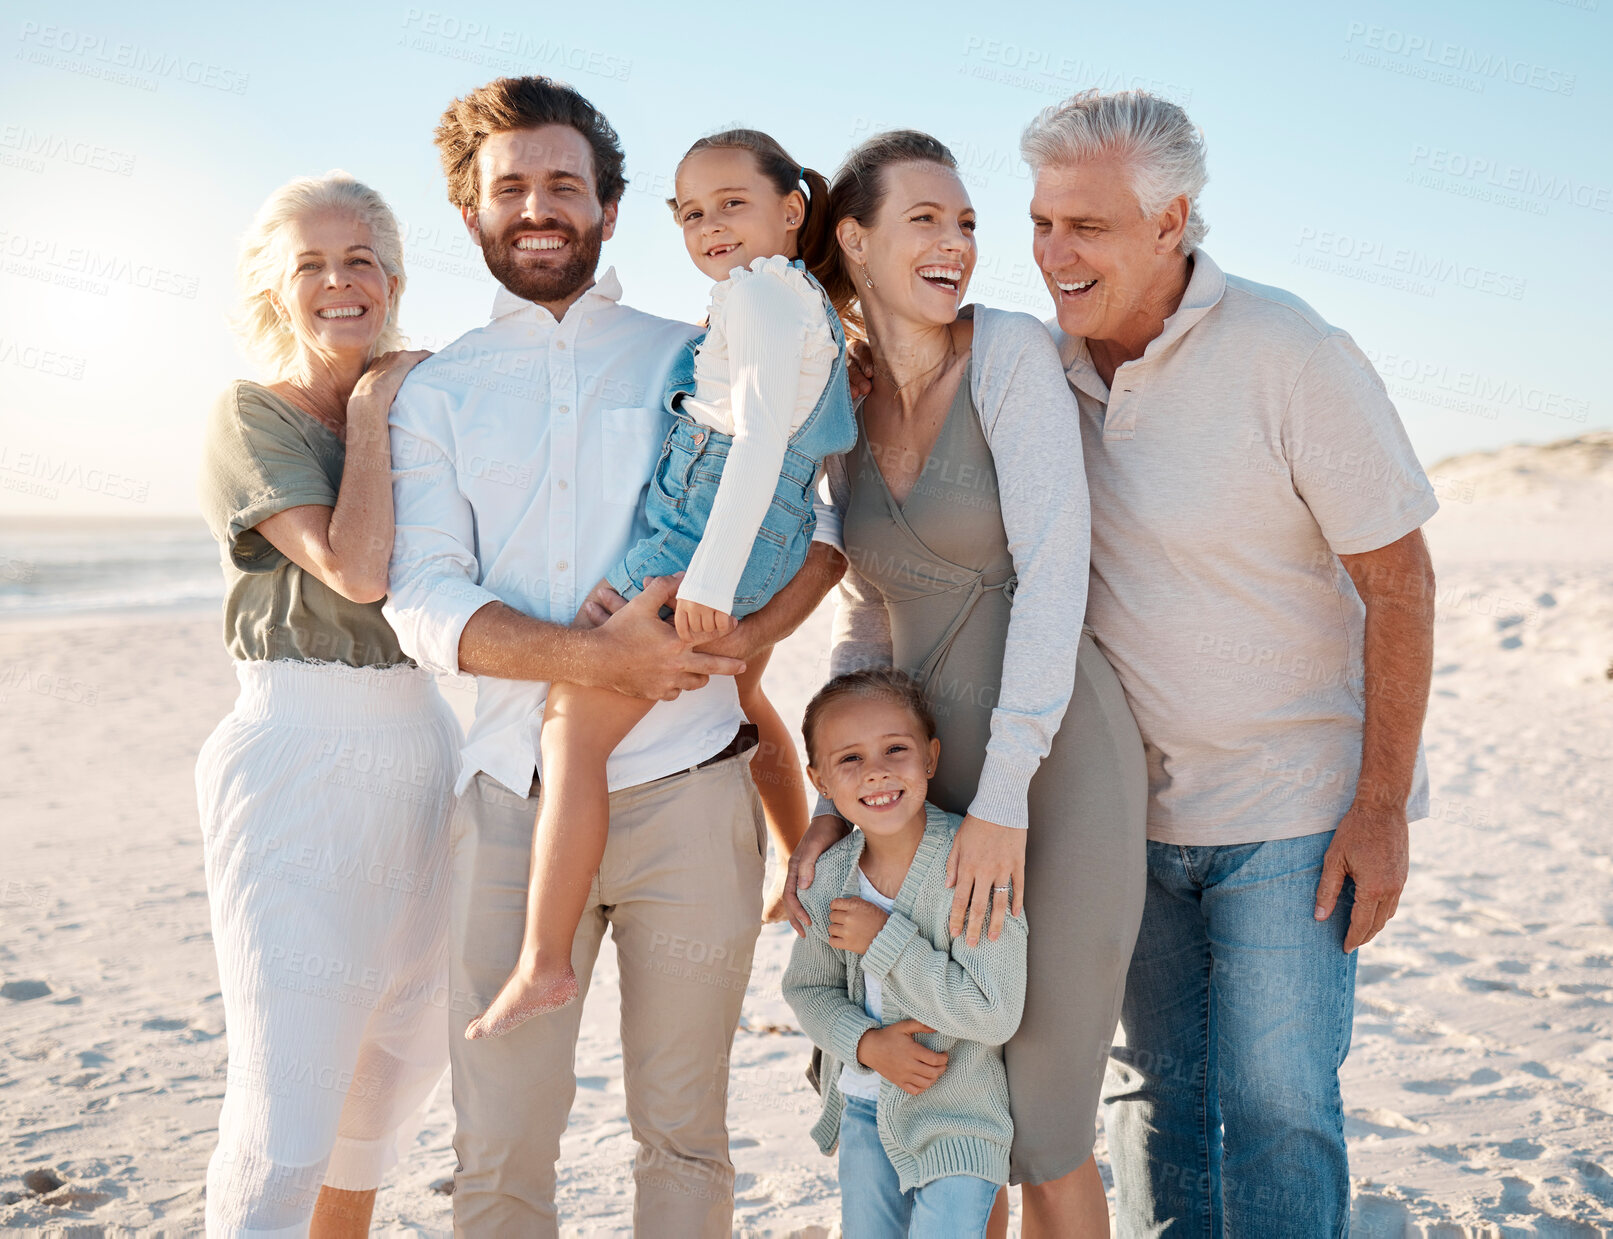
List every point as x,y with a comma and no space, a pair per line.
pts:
1480,1084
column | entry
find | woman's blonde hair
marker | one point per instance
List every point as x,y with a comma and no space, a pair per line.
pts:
261,265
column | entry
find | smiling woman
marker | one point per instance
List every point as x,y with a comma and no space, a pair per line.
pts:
326,206
338,748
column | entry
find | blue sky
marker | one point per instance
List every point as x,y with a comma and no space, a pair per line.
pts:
1436,179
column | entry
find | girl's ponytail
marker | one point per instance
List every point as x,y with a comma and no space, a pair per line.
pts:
818,246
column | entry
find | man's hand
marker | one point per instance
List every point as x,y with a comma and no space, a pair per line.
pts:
697,623
824,833
854,923
1372,846
985,855
639,654
896,1056
1396,585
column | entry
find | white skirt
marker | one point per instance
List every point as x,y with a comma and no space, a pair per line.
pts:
324,800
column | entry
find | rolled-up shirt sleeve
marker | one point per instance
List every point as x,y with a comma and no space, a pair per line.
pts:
432,580
828,527
1348,452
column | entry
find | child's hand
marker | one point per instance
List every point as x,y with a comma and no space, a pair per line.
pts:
697,623
853,924
602,603
895,1055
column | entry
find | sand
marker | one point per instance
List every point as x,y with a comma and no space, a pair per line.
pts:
1478,1089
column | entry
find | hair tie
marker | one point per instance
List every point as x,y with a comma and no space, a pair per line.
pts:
802,174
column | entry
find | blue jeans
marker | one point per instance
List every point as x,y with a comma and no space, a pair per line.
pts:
873,1205
1222,1108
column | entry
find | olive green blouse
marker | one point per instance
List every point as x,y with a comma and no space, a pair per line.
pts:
262,456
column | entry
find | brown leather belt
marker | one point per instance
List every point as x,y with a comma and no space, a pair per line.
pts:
745,739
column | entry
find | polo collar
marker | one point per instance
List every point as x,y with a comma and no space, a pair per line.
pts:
1205,287
607,289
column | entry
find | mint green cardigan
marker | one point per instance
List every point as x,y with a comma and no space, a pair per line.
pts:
971,996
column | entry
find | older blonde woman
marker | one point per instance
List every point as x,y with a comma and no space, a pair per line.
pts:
324,794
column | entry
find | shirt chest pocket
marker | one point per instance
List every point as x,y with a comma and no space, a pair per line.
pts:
630,442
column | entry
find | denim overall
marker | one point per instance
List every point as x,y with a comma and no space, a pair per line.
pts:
684,485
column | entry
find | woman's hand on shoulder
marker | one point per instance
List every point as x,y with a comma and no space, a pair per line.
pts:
825,831
378,385
984,855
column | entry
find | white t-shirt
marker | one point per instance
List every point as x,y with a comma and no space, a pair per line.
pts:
855,1082
1229,466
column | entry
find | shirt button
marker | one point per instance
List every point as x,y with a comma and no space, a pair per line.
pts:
565,408
561,565
564,484
560,344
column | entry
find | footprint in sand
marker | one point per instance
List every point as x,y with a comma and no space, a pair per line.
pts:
163,1025
1596,1180
1515,1195
1514,966
22,991
1443,1088
1382,1123
1522,1149
1373,1216
42,1181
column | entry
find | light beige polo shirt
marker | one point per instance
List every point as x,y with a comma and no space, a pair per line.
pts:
1249,447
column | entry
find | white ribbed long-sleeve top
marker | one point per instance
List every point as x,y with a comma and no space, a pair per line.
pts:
759,373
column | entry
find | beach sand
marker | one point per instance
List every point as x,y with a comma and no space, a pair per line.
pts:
1479,1088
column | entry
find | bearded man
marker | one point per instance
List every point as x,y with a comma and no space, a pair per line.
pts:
520,457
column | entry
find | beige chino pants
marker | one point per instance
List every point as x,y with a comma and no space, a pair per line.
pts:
681,889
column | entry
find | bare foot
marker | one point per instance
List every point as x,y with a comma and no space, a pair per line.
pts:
525,994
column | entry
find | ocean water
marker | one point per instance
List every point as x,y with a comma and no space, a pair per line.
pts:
66,565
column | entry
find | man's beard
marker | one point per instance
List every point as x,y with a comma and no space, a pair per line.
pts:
548,284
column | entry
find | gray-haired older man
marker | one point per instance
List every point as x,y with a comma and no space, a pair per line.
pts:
1261,585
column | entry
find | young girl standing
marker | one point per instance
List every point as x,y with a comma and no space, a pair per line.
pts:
910,1019
757,404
